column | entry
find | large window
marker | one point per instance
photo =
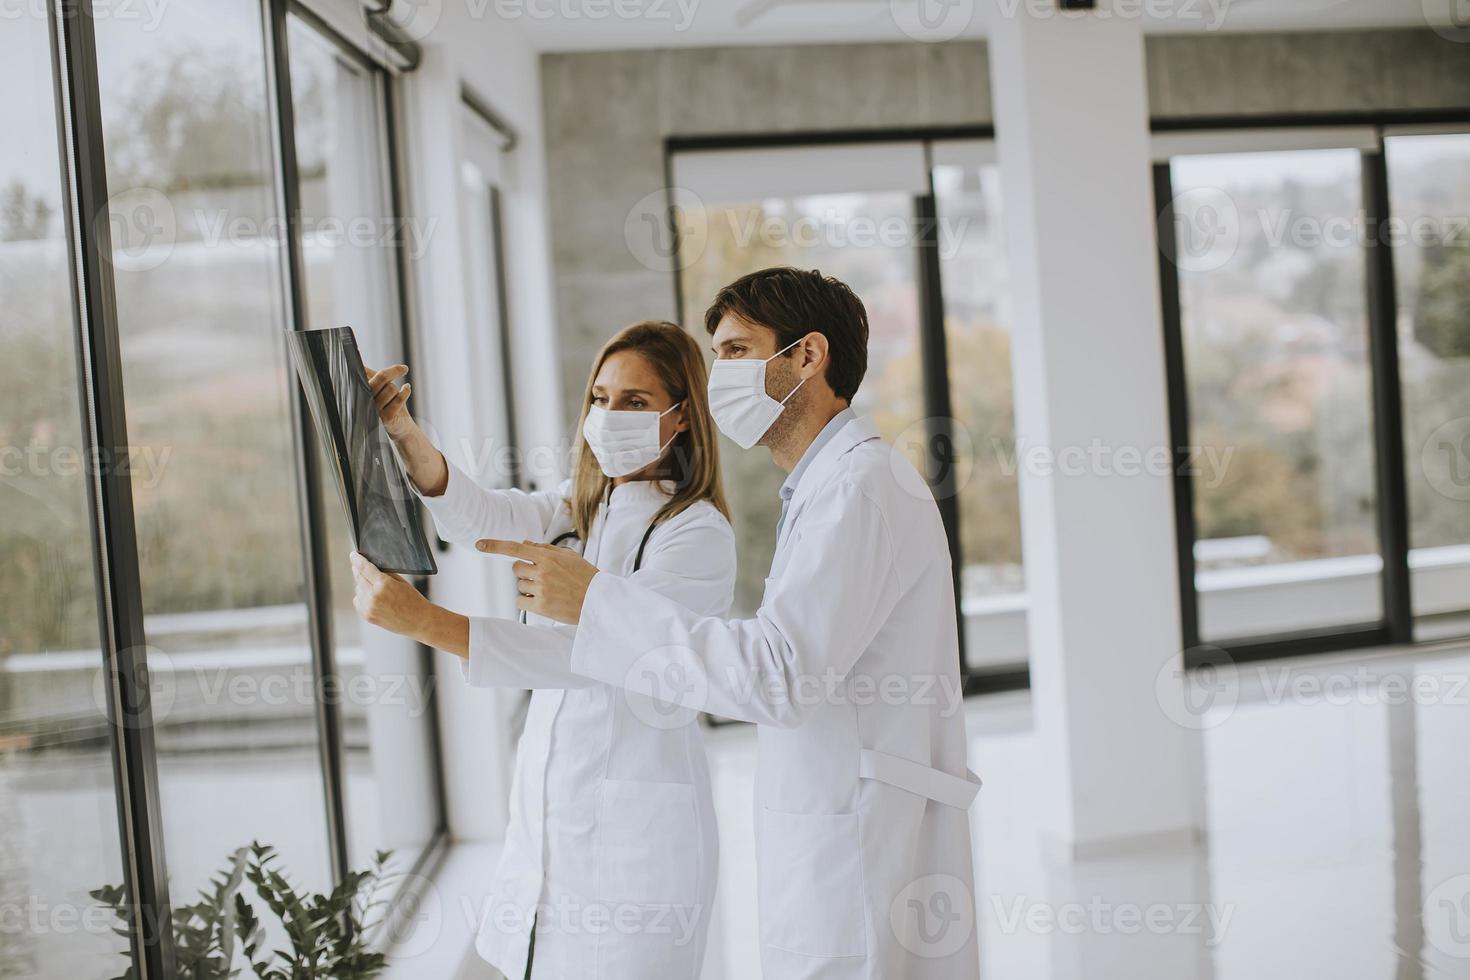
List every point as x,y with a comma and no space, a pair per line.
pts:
350,236
974,273
199,303
1429,185
866,214
492,395
1275,330
257,728
751,236
1300,381
58,815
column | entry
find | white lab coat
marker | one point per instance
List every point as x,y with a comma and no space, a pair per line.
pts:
863,841
611,844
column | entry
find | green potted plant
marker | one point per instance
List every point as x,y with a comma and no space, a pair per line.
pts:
329,934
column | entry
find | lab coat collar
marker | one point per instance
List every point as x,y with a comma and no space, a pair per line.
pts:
856,432
644,491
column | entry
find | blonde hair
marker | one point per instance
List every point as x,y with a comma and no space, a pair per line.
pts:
693,459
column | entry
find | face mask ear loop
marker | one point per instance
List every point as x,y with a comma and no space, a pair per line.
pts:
786,348
665,447
792,392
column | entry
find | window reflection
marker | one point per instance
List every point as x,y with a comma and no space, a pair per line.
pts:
1429,186
820,232
58,813
199,297
1274,318
349,234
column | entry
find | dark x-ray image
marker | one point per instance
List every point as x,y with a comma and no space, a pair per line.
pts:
382,511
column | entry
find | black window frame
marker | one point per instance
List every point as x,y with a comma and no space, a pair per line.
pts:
1397,624
77,93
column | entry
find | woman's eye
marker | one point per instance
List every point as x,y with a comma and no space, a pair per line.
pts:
637,404
599,400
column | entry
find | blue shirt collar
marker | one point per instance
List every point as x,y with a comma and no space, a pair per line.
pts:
788,489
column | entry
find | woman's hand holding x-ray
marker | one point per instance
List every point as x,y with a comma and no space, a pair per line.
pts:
552,581
385,599
421,458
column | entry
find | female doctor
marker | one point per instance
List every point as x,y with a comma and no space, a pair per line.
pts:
611,852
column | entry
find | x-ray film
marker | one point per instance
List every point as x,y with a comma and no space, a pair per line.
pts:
382,511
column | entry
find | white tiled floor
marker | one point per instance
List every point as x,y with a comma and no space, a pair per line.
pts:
1336,810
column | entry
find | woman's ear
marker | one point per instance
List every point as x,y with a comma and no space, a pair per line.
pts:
681,417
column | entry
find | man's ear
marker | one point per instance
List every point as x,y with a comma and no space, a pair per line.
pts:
814,352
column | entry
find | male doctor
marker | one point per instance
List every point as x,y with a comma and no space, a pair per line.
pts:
863,840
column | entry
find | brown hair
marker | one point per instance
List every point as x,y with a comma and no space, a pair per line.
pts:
794,303
694,457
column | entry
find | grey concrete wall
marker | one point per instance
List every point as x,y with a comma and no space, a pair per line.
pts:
608,113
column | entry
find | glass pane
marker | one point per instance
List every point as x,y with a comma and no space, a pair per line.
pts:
975,275
867,241
195,238
348,234
492,403
1271,268
58,812
1429,186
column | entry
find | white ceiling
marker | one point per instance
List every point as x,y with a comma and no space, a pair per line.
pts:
557,25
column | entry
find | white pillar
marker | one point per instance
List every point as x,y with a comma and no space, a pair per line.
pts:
1071,118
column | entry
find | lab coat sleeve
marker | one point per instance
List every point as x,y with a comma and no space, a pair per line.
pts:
507,653
838,587
466,511
694,566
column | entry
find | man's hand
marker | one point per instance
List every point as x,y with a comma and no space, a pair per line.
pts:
552,581
386,600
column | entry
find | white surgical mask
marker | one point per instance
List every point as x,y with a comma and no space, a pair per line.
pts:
738,399
624,442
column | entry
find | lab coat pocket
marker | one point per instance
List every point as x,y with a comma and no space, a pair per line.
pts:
813,898
647,843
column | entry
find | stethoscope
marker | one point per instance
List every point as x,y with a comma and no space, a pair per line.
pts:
572,535
637,560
